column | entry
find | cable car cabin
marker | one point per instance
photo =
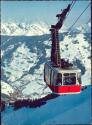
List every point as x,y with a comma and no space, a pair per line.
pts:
62,81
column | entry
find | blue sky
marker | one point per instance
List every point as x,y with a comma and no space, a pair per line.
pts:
32,11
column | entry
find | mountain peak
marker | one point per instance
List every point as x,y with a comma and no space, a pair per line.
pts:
26,29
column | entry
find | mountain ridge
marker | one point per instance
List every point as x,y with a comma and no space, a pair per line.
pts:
39,28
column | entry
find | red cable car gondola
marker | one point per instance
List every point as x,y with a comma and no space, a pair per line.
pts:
61,76
62,80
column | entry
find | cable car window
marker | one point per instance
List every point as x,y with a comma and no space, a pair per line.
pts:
79,77
52,77
48,75
69,79
59,79
46,70
66,74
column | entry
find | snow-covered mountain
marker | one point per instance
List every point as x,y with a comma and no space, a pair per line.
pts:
23,56
40,28
26,29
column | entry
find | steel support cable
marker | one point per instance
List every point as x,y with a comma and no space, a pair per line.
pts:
85,23
80,31
79,17
72,5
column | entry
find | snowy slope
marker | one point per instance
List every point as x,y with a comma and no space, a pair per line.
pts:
69,109
83,28
6,88
23,58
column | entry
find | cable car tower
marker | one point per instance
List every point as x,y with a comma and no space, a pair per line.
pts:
60,75
55,51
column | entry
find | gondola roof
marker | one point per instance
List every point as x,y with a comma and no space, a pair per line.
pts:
71,69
